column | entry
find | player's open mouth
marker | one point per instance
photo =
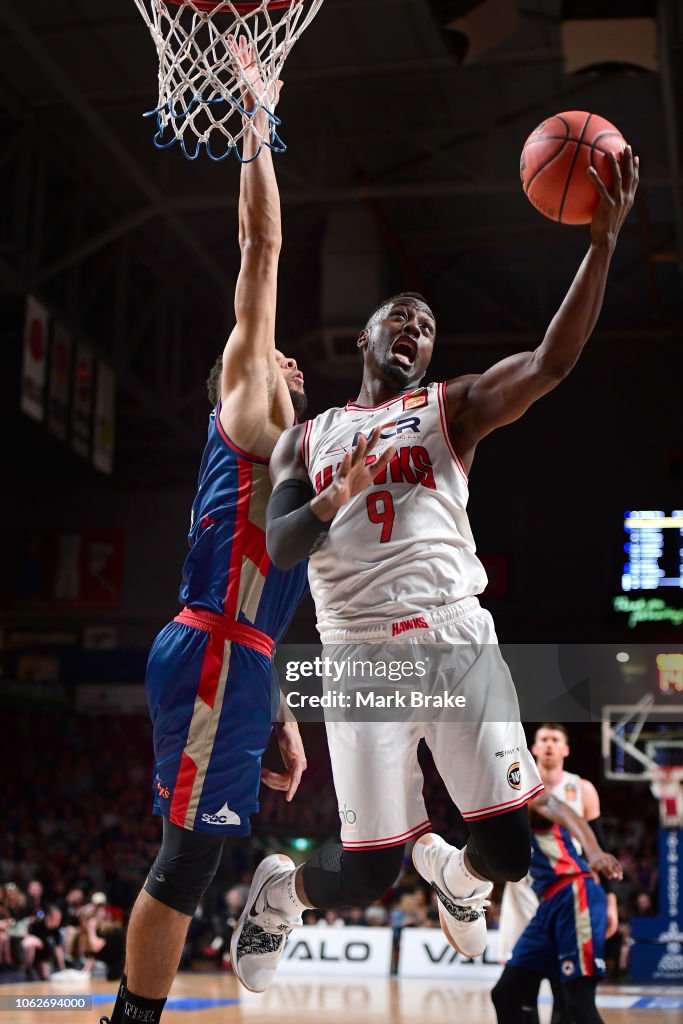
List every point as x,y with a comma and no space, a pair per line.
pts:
405,350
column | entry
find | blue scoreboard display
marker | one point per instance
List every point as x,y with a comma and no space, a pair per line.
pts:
652,576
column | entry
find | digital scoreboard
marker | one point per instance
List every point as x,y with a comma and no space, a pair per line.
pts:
654,550
652,577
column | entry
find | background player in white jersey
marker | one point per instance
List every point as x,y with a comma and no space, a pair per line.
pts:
392,558
520,903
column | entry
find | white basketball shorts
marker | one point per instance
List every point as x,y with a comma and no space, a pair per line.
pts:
485,765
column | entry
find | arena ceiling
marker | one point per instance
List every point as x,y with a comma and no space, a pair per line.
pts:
402,163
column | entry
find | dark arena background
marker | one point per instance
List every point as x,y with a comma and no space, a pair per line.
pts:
404,122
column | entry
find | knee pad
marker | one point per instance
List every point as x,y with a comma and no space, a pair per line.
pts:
499,848
184,867
368,874
335,877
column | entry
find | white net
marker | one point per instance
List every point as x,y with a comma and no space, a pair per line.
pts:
201,85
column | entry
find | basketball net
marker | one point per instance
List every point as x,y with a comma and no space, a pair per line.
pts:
667,786
200,82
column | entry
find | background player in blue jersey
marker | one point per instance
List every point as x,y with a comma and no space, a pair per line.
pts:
209,672
566,937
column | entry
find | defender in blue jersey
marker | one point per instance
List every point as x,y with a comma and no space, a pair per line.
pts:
566,937
209,674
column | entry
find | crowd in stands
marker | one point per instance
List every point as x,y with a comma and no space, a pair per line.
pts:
78,839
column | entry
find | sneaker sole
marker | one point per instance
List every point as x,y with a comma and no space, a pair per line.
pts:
262,876
443,921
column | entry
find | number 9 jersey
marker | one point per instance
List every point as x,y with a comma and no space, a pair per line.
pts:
405,544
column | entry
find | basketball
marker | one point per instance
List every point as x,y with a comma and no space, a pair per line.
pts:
554,161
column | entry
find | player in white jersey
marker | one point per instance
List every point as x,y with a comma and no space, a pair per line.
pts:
519,905
376,493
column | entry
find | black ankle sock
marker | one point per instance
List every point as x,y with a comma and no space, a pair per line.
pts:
117,1012
138,1010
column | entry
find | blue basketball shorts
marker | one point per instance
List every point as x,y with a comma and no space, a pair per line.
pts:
211,703
566,937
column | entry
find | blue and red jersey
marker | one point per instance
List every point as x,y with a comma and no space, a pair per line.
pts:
227,570
555,861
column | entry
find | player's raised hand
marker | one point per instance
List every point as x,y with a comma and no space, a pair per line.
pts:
247,72
353,475
614,205
605,864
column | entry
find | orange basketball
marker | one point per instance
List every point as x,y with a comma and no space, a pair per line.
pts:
554,161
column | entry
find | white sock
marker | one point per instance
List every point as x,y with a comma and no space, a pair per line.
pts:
282,896
459,880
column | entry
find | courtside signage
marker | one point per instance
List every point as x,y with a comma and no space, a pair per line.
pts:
426,953
349,951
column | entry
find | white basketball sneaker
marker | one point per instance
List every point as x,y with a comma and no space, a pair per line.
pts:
258,941
463,918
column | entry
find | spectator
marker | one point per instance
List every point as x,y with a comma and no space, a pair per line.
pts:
5,924
331,919
643,905
104,940
42,945
355,916
376,916
34,897
71,923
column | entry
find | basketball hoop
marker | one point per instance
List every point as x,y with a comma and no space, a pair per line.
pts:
667,786
200,82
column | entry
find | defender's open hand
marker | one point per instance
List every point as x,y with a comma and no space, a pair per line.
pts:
352,476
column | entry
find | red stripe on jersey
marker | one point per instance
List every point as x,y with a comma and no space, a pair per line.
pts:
565,864
305,442
239,537
443,416
255,547
183,790
235,447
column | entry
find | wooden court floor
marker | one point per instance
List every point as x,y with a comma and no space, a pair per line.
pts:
218,999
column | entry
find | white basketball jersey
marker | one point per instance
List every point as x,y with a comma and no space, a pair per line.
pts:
568,790
404,545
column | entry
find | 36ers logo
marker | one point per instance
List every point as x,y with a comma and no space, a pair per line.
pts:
514,776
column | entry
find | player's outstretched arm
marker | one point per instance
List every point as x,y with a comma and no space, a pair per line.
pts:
255,404
559,812
502,394
297,519
591,813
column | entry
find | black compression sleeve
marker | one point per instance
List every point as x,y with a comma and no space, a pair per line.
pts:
293,531
599,830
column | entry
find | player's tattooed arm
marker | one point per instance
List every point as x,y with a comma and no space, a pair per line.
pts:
479,404
548,806
297,520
